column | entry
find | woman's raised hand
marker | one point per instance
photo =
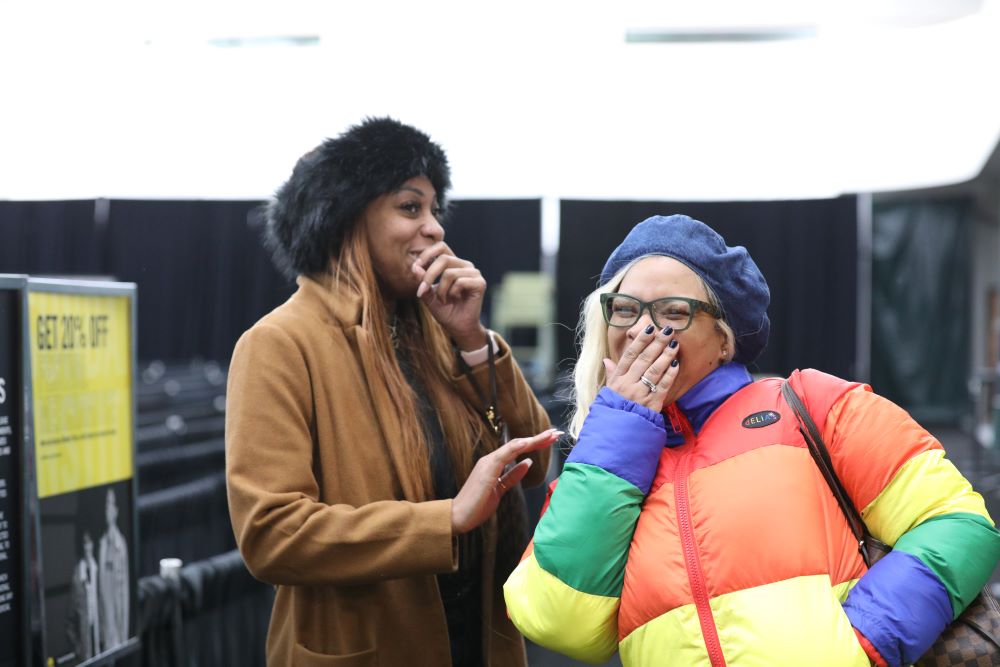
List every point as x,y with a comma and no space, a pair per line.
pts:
490,479
453,289
647,368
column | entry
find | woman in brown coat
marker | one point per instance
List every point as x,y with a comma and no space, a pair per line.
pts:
363,477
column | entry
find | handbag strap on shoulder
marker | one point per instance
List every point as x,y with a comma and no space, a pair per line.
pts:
491,408
820,454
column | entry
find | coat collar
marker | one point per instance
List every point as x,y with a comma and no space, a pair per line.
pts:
342,307
700,401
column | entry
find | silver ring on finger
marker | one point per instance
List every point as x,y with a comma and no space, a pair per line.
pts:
501,484
649,385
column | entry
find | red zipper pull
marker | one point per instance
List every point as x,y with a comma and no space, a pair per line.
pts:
675,419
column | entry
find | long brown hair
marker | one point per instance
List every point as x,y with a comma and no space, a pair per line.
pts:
433,359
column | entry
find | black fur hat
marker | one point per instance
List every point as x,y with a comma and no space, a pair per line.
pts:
332,184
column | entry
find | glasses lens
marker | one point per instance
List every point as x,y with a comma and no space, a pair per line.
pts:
621,311
675,313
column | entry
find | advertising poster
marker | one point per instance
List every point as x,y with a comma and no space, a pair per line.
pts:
12,515
81,384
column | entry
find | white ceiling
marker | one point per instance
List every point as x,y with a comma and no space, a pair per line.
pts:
136,99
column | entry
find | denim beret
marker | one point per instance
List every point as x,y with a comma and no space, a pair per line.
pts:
728,270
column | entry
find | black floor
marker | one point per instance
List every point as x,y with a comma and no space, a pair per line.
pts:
979,464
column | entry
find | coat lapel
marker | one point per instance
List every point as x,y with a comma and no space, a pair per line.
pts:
344,310
385,412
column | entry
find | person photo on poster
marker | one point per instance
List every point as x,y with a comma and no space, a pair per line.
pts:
84,626
113,581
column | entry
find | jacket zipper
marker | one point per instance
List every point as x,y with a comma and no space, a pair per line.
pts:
708,630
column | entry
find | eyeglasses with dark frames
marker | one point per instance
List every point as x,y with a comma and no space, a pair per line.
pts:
622,310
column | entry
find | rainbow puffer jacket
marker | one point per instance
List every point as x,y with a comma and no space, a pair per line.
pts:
713,539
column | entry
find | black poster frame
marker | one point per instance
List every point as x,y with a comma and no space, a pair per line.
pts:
90,288
27,625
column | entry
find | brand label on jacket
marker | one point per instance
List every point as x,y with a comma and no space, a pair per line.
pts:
761,419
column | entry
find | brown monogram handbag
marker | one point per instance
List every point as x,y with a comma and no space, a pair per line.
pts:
972,639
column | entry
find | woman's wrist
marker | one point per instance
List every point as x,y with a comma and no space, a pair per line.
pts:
472,342
480,355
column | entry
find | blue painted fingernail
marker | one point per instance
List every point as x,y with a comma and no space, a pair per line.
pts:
667,330
673,343
649,329
675,362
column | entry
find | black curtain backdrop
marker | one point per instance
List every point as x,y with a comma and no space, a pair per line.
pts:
50,238
806,249
921,284
203,275
497,236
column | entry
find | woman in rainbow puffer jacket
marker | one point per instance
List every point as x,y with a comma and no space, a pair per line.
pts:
690,525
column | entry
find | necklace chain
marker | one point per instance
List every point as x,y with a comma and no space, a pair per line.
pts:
393,333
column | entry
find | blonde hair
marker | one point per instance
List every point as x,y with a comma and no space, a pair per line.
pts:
430,352
592,335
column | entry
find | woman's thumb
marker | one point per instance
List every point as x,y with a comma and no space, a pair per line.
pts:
517,473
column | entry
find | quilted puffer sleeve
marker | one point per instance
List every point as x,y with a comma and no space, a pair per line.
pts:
914,499
566,592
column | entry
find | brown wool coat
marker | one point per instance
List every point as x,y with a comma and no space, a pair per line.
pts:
318,506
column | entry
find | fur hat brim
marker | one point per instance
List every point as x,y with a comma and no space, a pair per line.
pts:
309,215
